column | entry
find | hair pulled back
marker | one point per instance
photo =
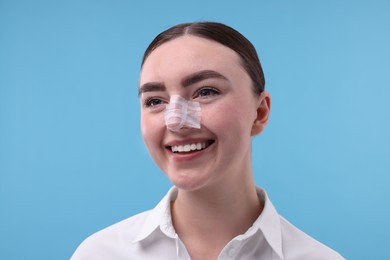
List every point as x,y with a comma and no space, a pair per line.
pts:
222,34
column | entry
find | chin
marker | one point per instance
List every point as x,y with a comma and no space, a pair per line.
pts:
187,182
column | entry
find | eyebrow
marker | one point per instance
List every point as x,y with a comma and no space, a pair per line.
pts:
187,81
200,76
151,86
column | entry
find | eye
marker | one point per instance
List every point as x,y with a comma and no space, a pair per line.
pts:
206,92
153,102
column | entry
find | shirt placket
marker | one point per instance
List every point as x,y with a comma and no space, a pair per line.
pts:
231,250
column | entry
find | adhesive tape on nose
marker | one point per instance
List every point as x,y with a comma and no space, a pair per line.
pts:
181,113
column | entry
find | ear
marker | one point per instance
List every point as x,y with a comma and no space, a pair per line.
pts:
263,110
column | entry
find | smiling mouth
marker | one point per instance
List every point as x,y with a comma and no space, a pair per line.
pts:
190,147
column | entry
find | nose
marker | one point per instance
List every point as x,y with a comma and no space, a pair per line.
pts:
181,113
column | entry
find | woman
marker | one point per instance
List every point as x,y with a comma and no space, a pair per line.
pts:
202,99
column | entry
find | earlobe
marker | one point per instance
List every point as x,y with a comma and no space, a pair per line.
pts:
263,111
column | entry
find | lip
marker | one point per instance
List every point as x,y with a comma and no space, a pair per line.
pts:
188,156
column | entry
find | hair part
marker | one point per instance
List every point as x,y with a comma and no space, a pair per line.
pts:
222,34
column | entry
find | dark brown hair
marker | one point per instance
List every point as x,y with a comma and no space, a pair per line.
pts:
222,34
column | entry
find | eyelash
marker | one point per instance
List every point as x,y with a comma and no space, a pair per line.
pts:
209,89
149,102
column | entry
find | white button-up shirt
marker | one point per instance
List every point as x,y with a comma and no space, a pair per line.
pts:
150,235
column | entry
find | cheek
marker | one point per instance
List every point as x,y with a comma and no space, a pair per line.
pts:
151,126
144,127
228,118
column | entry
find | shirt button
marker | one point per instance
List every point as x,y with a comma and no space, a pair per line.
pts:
231,251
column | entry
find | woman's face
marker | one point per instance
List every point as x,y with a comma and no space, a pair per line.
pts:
205,71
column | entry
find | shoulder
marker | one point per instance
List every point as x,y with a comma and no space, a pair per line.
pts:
120,241
299,245
286,239
111,239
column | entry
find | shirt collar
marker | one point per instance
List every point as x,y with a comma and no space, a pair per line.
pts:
159,217
268,222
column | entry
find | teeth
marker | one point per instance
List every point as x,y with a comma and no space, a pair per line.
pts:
188,147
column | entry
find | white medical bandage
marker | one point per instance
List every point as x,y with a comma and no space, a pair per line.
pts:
181,113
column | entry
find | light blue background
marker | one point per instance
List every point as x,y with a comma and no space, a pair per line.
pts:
72,160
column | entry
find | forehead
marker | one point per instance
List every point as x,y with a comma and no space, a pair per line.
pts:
186,55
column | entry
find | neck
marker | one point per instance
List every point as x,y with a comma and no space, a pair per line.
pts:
214,216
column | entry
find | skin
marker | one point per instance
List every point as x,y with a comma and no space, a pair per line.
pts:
217,199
